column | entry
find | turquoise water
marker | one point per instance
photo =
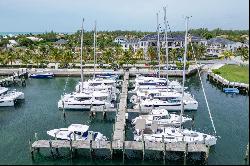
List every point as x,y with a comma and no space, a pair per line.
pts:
23,33
39,113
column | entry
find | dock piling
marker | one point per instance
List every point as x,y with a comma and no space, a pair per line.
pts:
164,147
185,153
143,146
71,149
111,150
31,149
64,115
247,154
51,149
123,151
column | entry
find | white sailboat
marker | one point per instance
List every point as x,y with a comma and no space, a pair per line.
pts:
87,96
170,100
172,134
86,100
101,82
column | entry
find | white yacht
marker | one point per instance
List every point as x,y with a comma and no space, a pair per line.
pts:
9,97
142,82
76,132
166,100
172,134
98,84
85,100
162,117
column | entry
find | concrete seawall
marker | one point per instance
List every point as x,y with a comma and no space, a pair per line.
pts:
76,72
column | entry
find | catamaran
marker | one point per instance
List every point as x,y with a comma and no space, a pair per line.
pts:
169,100
142,82
162,117
172,135
9,97
176,134
86,100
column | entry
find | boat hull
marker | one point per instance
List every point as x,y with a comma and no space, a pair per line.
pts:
42,76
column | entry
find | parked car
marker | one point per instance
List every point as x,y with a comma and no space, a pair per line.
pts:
170,67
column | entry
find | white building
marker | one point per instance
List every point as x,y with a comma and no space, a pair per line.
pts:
11,43
120,39
34,38
216,46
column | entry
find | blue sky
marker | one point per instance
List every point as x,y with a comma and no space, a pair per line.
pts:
140,15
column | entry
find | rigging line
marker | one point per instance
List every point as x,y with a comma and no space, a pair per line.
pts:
169,28
203,89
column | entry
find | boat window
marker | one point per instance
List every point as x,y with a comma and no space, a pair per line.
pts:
85,134
83,98
169,137
101,98
77,132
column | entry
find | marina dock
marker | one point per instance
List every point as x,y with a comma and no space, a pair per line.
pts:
17,77
118,142
227,84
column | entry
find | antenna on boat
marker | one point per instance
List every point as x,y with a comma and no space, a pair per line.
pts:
158,44
94,49
184,71
166,40
81,56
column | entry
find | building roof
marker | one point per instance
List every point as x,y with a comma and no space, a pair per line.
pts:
61,41
170,38
121,37
132,41
219,40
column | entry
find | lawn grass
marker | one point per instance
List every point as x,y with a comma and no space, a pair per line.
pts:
234,73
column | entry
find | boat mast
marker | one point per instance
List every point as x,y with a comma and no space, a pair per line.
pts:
183,74
81,56
94,49
158,44
166,40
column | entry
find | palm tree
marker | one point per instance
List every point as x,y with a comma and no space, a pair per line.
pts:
139,54
243,52
173,54
118,52
151,53
227,54
55,54
11,56
26,56
107,56
66,58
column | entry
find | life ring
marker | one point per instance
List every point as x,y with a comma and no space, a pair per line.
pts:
133,99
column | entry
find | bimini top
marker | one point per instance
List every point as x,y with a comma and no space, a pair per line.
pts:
78,127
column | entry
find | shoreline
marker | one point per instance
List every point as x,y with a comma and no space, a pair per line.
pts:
76,72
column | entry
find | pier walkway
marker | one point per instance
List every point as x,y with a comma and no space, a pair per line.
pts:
15,78
120,122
